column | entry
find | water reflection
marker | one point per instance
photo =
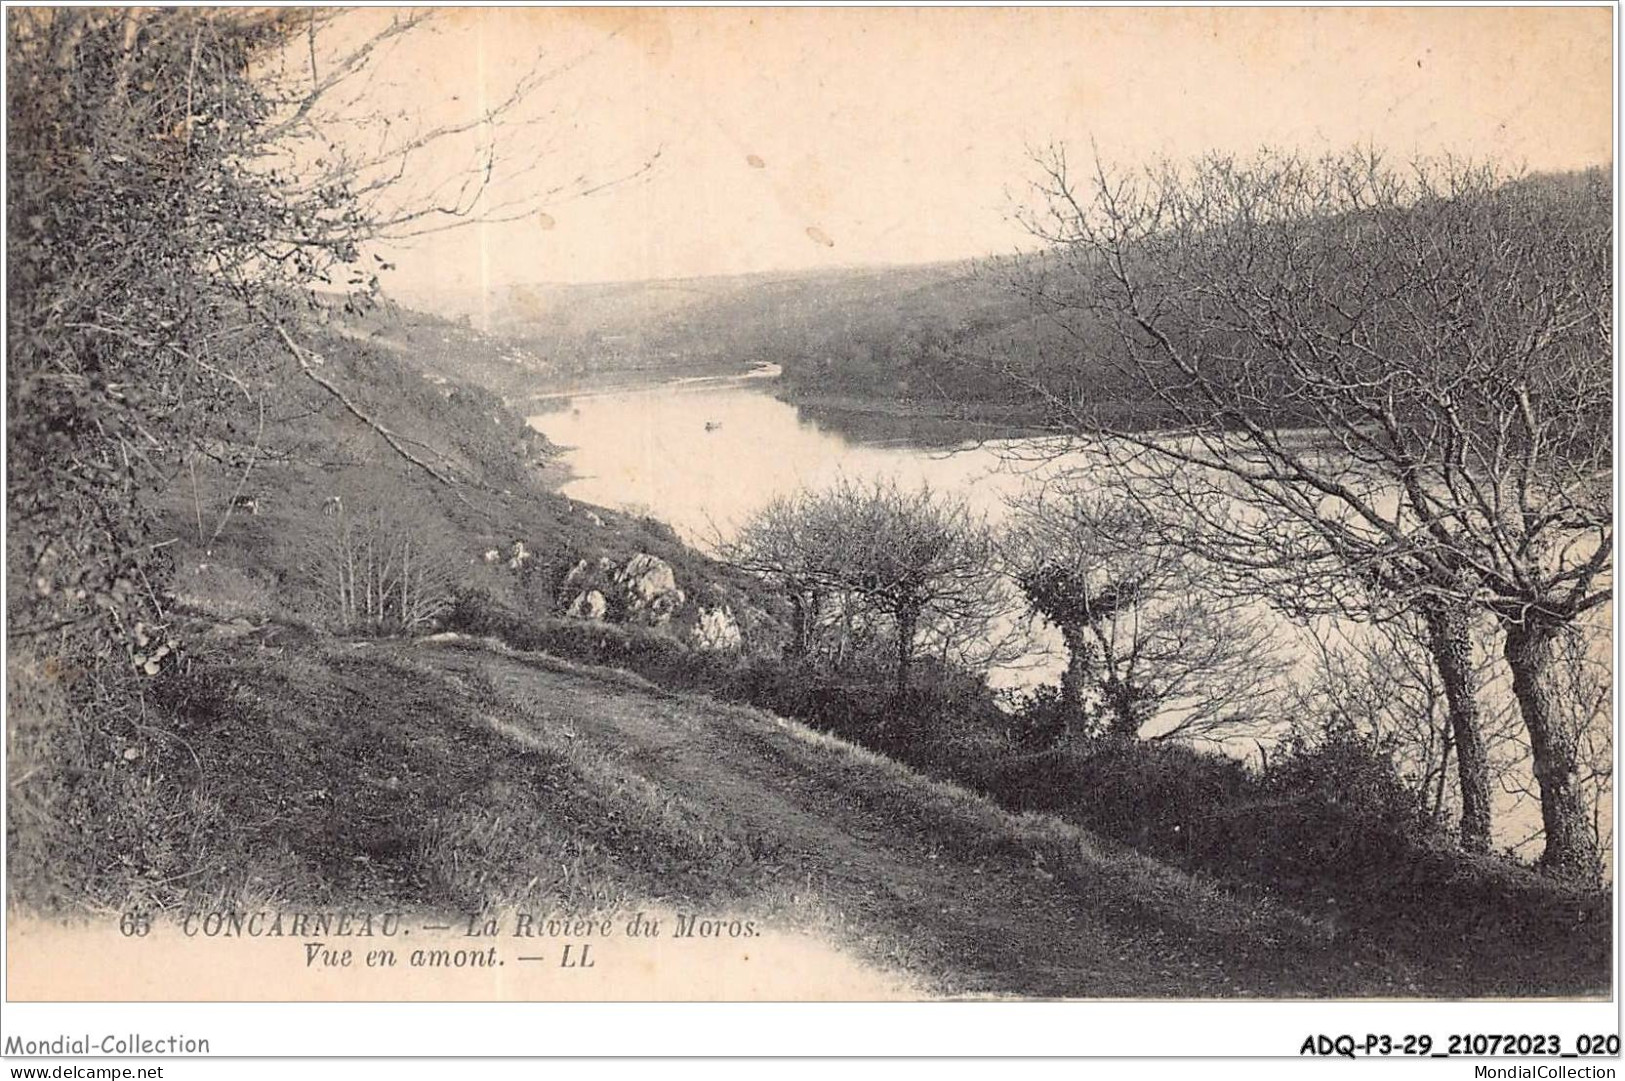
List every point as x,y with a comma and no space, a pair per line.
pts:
704,455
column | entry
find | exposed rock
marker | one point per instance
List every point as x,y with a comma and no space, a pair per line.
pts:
588,605
648,576
520,556
593,518
651,589
717,631
596,577
492,555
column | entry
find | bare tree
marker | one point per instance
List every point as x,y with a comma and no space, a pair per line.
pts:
922,561
1382,679
377,564
1388,388
796,541
1147,643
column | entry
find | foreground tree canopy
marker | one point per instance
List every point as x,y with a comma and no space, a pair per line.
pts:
1150,652
855,552
1387,390
179,187
131,211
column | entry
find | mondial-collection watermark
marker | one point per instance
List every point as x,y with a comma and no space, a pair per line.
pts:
1543,1072
131,1043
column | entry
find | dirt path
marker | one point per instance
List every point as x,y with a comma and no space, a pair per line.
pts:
925,875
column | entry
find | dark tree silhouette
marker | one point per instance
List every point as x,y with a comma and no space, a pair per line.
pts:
1390,388
1159,654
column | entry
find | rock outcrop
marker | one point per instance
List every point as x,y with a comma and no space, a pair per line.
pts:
643,591
650,584
589,605
717,631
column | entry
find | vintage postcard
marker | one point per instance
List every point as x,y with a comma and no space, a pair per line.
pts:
811,505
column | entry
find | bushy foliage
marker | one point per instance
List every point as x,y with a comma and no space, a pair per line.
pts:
864,562
1147,794
89,815
136,222
1040,718
941,725
1330,809
1327,825
1347,773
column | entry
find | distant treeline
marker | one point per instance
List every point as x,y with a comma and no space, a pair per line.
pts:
977,341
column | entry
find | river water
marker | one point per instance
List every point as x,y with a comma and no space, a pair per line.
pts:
703,455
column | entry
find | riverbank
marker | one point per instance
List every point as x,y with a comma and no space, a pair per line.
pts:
895,422
557,393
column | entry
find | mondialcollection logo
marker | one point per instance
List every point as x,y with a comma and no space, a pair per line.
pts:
131,1043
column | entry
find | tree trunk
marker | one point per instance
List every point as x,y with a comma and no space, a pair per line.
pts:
406,586
1076,677
908,619
843,646
1437,812
798,626
1450,641
1571,850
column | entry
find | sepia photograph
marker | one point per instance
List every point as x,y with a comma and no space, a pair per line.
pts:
845,505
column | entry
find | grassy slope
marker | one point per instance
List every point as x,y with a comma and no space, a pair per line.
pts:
453,775
439,387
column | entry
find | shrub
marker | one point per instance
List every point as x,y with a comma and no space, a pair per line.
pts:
1038,719
1331,815
475,610
1347,771
944,725
1159,796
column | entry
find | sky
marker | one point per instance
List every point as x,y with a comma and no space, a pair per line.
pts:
789,139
